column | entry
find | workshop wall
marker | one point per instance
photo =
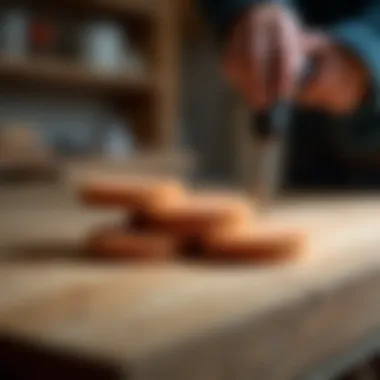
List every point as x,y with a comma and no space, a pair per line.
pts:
207,111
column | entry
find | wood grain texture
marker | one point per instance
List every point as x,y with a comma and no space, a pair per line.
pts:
203,322
118,244
71,75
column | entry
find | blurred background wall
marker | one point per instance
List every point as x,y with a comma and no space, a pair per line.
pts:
207,111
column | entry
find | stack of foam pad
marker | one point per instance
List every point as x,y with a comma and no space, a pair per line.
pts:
165,220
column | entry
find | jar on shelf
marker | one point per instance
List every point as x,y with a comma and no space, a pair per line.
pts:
118,141
43,36
102,45
14,25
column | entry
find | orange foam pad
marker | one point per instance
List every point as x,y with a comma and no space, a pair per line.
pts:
132,194
115,243
201,213
261,242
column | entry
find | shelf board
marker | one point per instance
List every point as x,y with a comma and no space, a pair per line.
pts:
131,8
143,8
52,73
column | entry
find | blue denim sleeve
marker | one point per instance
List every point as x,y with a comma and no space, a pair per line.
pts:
361,35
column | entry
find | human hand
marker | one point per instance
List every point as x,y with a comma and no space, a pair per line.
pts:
339,81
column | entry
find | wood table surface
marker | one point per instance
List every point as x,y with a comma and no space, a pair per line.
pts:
186,320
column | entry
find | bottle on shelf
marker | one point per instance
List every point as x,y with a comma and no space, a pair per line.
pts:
43,36
102,45
14,24
118,142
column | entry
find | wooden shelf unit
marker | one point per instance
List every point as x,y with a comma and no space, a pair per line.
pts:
154,115
130,9
71,75
141,8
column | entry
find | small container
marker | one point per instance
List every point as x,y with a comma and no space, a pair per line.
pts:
43,36
118,142
14,26
102,45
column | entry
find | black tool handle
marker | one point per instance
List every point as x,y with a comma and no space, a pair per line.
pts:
274,121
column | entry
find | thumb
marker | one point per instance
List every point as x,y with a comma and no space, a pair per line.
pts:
313,42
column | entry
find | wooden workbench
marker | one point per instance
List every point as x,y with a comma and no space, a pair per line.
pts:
187,321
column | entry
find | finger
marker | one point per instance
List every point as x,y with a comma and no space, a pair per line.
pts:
256,59
232,57
319,89
313,42
314,45
235,65
290,55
